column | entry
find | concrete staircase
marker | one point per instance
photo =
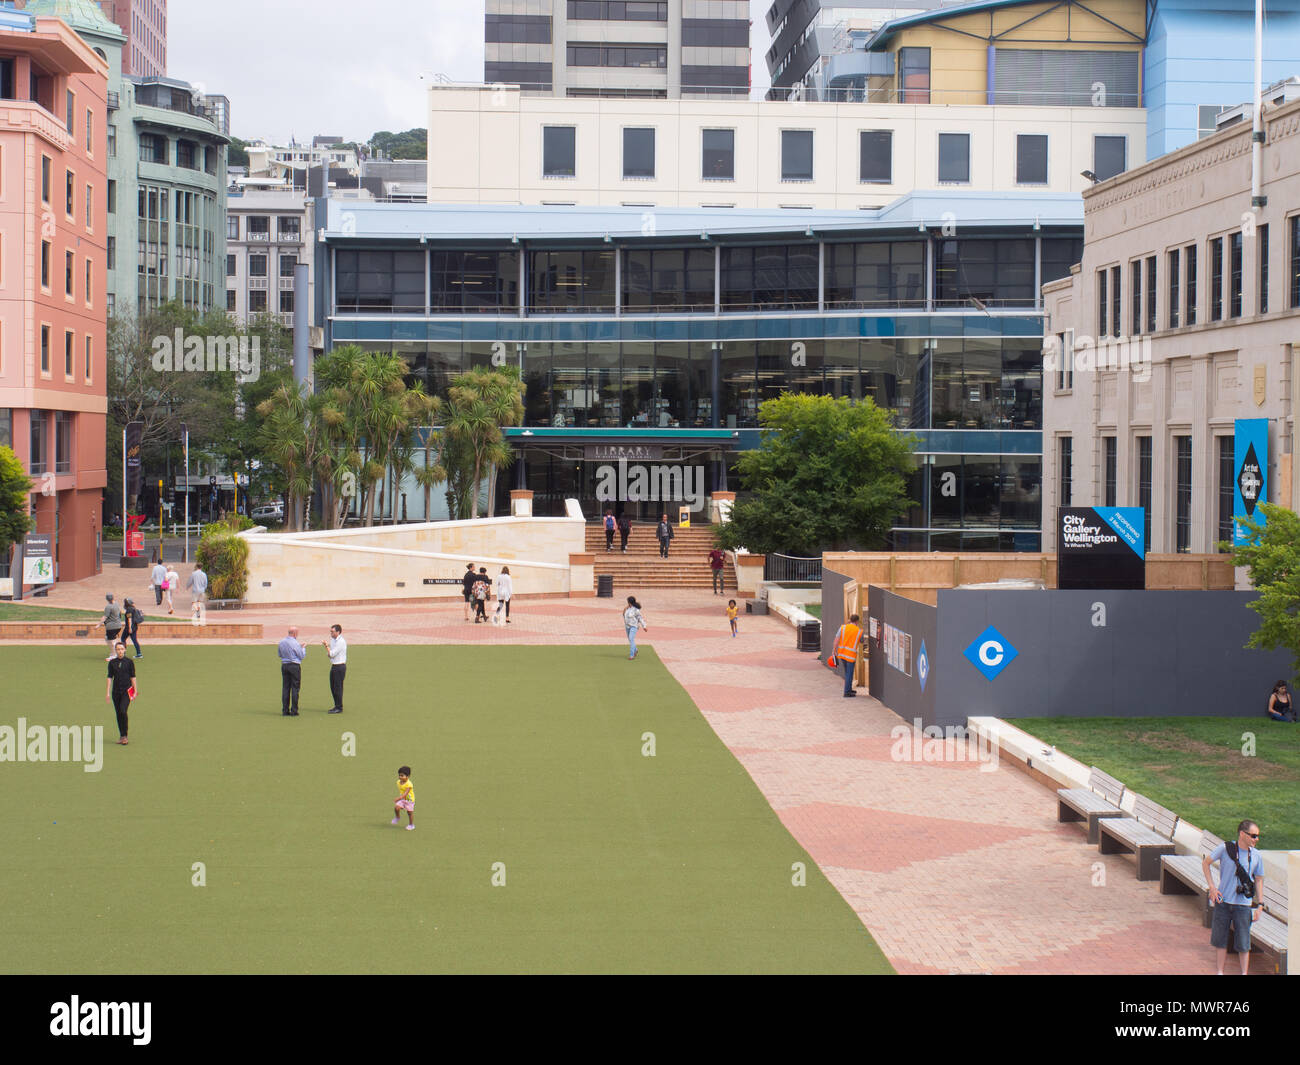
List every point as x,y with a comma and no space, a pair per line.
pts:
687,564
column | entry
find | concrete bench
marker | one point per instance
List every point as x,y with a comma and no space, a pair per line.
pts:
1270,931
1182,874
1148,834
1099,799
225,604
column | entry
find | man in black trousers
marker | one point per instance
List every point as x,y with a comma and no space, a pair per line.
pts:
337,647
291,655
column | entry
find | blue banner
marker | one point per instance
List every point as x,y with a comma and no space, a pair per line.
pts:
1129,523
1250,484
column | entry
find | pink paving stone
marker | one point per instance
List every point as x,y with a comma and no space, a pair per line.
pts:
722,698
766,659
1168,951
881,841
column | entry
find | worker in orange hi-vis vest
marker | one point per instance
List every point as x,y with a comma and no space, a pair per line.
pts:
845,650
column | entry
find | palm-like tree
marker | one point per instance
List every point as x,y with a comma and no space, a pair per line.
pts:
480,403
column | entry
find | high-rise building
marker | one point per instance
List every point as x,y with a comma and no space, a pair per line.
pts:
816,48
627,48
145,24
53,89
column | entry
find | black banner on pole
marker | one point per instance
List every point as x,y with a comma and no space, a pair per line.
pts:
134,472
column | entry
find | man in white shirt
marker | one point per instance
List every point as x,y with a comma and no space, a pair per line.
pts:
157,576
338,652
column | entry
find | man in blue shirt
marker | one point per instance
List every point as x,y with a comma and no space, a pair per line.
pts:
1232,905
291,655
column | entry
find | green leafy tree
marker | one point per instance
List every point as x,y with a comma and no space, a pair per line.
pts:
237,153
480,403
1272,555
15,491
830,474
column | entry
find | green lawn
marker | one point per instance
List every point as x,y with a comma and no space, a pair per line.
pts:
1195,766
815,609
526,756
26,612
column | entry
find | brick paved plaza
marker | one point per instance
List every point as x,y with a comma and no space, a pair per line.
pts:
950,868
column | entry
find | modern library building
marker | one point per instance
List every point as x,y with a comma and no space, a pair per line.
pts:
653,335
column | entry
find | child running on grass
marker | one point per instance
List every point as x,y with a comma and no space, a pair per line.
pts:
405,798
733,612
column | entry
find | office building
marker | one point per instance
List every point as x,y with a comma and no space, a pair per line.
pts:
268,232
53,94
669,337
758,154
629,48
145,24
1180,320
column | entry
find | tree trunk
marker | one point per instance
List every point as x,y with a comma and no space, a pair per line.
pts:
473,506
492,490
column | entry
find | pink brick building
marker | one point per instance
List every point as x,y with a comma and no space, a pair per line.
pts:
53,89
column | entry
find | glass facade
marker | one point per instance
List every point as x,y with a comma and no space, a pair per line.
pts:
654,337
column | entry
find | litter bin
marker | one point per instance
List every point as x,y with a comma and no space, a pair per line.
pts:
605,586
808,636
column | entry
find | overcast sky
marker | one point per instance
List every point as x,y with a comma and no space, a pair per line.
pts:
339,68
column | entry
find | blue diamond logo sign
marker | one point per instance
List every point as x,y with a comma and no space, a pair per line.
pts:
991,652
923,666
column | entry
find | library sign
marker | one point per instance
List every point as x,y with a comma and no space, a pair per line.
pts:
1101,547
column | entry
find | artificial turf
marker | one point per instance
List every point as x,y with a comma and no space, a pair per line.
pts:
531,757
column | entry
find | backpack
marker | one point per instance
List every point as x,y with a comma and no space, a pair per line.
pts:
480,590
137,616
609,521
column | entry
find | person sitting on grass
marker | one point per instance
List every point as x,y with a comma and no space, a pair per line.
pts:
1281,707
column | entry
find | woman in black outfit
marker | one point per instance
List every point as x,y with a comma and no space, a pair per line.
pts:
121,679
131,625
1280,705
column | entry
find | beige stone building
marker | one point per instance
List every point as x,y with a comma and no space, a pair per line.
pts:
1183,317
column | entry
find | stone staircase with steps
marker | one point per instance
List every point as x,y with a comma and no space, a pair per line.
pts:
687,564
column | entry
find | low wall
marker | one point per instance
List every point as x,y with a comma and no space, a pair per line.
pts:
920,576
149,633
395,561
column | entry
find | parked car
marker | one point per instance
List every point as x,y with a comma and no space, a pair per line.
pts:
268,512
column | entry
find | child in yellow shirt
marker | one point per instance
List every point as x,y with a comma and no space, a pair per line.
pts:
405,798
733,612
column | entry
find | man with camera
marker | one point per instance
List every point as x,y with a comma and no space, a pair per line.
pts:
1237,898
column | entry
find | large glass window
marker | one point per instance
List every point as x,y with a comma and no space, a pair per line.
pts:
1183,494
666,278
954,158
1215,252
739,385
1059,254
63,441
796,155
1109,156
558,151
617,11
1144,485
1227,484
583,54
1234,274
572,280
1189,305
1031,159
1116,281
880,274
1103,304
6,427
1262,248
638,152
1065,469
474,280
257,265
914,75
718,151
998,272
1110,470
378,281
1151,294
1135,297
287,265
40,458
1294,222
1174,294
765,278
876,156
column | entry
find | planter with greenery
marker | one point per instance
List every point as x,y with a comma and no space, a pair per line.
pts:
223,554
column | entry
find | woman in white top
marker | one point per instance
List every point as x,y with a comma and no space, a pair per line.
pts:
505,589
173,579
632,620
